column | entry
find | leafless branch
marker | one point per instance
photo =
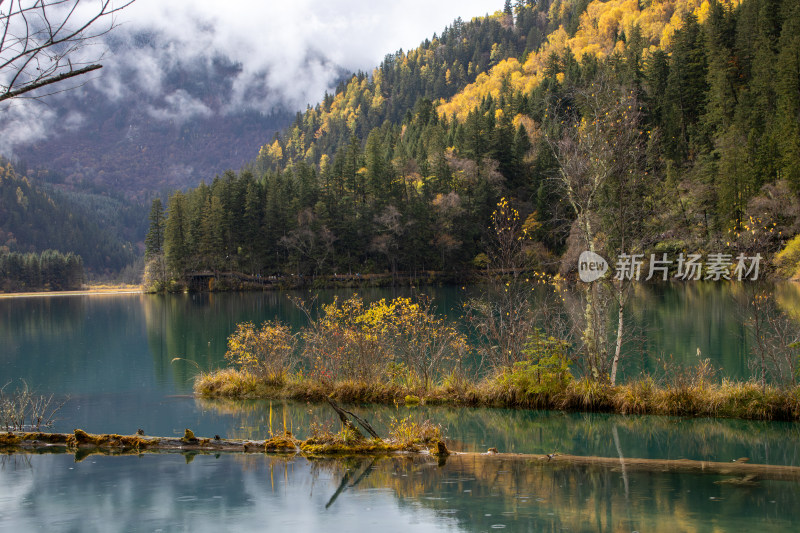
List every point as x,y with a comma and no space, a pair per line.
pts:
41,41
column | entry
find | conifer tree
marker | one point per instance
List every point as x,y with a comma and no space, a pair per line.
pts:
175,233
154,242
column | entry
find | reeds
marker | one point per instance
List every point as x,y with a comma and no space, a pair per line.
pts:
684,395
21,410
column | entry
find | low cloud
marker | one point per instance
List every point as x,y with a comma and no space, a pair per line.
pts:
73,121
288,52
24,122
243,55
178,107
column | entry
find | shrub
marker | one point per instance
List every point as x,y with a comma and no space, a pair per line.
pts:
401,340
343,342
545,373
267,352
788,259
407,432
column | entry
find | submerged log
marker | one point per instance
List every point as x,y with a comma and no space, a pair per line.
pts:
282,443
750,471
83,442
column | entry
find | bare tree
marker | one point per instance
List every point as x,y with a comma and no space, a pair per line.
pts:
774,338
310,241
508,315
41,41
600,157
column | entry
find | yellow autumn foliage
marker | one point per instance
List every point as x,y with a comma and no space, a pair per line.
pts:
367,342
271,152
267,352
599,26
597,36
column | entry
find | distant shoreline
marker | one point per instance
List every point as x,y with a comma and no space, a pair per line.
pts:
98,291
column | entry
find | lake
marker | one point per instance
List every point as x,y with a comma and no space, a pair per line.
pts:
127,361
204,493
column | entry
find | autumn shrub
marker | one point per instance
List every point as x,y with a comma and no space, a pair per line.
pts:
788,259
398,374
400,340
424,342
346,340
267,352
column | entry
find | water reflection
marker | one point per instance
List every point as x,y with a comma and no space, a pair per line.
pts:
665,323
114,356
77,344
237,493
539,432
195,327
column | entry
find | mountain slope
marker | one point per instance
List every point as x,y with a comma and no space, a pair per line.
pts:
145,142
33,220
403,169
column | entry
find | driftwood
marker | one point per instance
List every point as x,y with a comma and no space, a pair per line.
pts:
343,417
84,443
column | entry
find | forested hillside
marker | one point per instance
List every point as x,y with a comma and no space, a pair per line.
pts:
661,126
35,220
47,270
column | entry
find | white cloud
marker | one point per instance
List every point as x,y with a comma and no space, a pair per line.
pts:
292,47
73,121
23,122
180,106
289,53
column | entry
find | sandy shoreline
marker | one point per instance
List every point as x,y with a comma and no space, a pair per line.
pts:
82,292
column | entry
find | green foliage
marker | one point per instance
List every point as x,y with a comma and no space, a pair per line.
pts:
34,219
50,270
546,371
154,242
400,170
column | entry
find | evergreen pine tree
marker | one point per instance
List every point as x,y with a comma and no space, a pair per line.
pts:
154,242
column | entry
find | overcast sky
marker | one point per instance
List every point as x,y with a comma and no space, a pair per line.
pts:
291,45
290,52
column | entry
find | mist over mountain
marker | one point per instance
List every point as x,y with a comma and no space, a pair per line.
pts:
189,90
144,142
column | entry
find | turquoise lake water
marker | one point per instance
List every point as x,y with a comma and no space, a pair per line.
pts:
114,358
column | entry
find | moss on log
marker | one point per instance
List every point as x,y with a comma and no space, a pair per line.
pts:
85,444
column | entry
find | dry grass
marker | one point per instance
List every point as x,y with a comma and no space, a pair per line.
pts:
231,383
691,393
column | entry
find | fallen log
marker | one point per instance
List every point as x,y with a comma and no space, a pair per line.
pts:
745,470
80,441
328,444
